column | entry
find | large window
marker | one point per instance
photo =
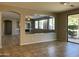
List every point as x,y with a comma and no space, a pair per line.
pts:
51,24
46,24
36,24
43,24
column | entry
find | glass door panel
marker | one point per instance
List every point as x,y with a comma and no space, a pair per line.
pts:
73,28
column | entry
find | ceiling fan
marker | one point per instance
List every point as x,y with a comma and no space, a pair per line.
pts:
67,3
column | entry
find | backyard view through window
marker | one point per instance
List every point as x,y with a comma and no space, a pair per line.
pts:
48,24
73,28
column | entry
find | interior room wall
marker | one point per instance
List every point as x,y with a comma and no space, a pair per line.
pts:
61,27
39,37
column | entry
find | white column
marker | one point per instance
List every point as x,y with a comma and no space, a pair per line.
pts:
0,30
22,29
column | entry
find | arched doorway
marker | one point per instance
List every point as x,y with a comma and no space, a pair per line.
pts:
10,29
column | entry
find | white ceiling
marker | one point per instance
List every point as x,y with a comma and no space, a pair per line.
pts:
43,6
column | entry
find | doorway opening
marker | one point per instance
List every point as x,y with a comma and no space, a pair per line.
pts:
8,27
39,28
73,28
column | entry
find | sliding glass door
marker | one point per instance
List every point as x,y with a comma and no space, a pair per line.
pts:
73,28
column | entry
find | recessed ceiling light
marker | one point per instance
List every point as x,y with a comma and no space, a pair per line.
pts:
67,3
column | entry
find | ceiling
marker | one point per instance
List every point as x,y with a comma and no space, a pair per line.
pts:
43,6
39,6
10,15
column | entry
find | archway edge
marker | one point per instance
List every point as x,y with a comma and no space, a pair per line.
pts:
14,11
19,13
21,24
